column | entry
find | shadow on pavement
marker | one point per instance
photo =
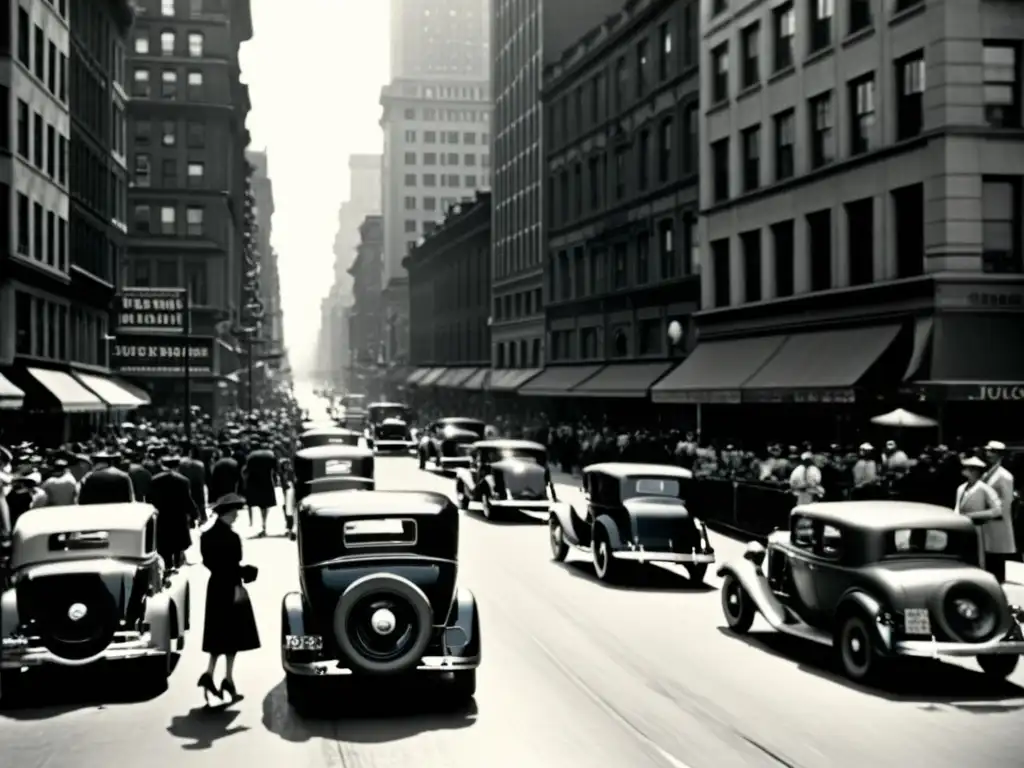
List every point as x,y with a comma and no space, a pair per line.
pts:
368,716
638,579
914,680
202,726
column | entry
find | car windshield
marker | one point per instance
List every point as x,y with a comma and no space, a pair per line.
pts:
915,542
352,401
381,412
469,425
651,486
523,454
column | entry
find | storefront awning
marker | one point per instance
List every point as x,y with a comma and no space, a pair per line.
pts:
72,396
417,375
622,380
819,367
432,377
558,380
715,371
11,398
453,377
511,379
111,392
477,381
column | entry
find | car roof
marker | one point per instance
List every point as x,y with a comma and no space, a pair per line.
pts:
334,452
325,429
387,404
513,444
450,419
359,503
93,517
625,469
884,515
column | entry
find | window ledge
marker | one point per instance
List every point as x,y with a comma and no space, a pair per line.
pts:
907,13
748,91
857,35
781,74
821,53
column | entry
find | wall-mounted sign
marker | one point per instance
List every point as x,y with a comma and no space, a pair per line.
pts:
988,298
1000,393
161,355
150,310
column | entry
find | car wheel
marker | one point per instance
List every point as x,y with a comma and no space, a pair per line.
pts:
697,572
301,693
463,686
736,605
462,496
556,537
1000,666
606,567
856,646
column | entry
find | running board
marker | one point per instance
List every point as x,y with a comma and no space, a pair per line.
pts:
799,628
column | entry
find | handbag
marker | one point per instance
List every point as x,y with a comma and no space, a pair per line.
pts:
249,573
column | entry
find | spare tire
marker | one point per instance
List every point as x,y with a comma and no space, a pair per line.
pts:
383,624
968,613
77,618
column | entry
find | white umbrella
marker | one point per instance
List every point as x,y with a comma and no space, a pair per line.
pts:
904,419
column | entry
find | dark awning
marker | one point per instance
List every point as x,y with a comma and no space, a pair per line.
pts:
623,380
511,379
477,381
47,389
110,391
558,380
417,376
432,377
715,371
822,366
11,398
453,377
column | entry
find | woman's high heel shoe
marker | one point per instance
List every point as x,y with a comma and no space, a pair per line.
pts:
208,686
227,690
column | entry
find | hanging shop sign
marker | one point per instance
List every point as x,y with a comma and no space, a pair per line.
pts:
161,355
150,310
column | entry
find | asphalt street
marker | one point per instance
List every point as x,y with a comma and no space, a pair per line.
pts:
575,674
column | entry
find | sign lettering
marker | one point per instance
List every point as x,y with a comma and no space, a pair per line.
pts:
1001,393
161,355
1003,299
150,309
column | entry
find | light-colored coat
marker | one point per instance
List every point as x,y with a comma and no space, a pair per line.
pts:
979,502
61,491
805,483
999,535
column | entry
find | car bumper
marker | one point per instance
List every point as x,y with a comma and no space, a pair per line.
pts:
454,461
333,668
393,445
650,556
16,654
932,649
527,505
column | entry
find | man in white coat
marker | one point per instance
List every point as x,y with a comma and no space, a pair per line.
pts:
1000,539
976,499
805,480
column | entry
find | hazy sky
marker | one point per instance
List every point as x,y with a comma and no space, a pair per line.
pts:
315,69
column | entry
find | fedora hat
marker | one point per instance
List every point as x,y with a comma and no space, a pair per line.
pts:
228,503
973,462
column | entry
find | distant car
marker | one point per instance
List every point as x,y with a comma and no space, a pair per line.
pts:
389,427
325,435
505,476
378,595
351,411
877,580
87,585
326,468
634,513
448,442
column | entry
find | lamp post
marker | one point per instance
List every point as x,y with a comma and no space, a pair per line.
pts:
675,336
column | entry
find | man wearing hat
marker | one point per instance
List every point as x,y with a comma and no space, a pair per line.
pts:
24,495
141,477
194,471
106,483
976,499
169,493
865,471
805,482
61,488
999,536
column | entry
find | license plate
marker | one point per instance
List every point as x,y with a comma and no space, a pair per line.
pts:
303,642
374,527
917,622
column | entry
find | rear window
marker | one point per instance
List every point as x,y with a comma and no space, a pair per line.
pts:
469,426
905,542
651,486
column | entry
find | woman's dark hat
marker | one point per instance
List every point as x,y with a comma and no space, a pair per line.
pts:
228,503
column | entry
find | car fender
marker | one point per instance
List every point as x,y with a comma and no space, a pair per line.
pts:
462,635
465,476
9,618
562,512
158,616
178,589
489,484
856,600
754,583
606,524
293,614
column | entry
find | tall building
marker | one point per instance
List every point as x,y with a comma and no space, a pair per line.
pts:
365,327
436,122
263,191
187,141
861,181
525,36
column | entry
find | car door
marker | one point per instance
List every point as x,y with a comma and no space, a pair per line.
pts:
833,576
803,567
581,516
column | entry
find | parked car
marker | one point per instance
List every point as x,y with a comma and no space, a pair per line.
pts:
389,427
317,436
87,585
449,442
378,595
633,513
504,476
325,468
876,581
351,411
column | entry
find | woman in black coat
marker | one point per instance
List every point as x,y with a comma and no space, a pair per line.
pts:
230,626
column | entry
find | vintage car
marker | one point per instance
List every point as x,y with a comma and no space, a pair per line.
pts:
448,442
86,586
351,411
505,476
389,427
326,468
378,595
311,438
634,513
877,580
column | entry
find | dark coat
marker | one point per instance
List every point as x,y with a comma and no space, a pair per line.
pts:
260,476
169,493
108,485
229,626
141,480
195,472
225,478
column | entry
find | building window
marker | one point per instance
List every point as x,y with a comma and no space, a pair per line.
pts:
783,246
1002,83
721,271
665,150
641,68
22,323
643,259
822,12
410,203
667,249
644,160
620,267
410,136
819,246
51,68
665,51
862,115
785,124
195,45
167,43
24,130
196,174
720,73
751,158
195,81
621,82
142,219
751,242
51,239
823,150
410,158
24,225
40,54
750,49
140,84
908,217
621,166
168,221
720,170
910,103
51,151
410,226
859,15
860,240
142,43
905,5
195,282
37,231
37,140
1001,225
169,172
143,171
24,37
691,128
194,221
62,161
195,135
168,84
166,7
784,24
